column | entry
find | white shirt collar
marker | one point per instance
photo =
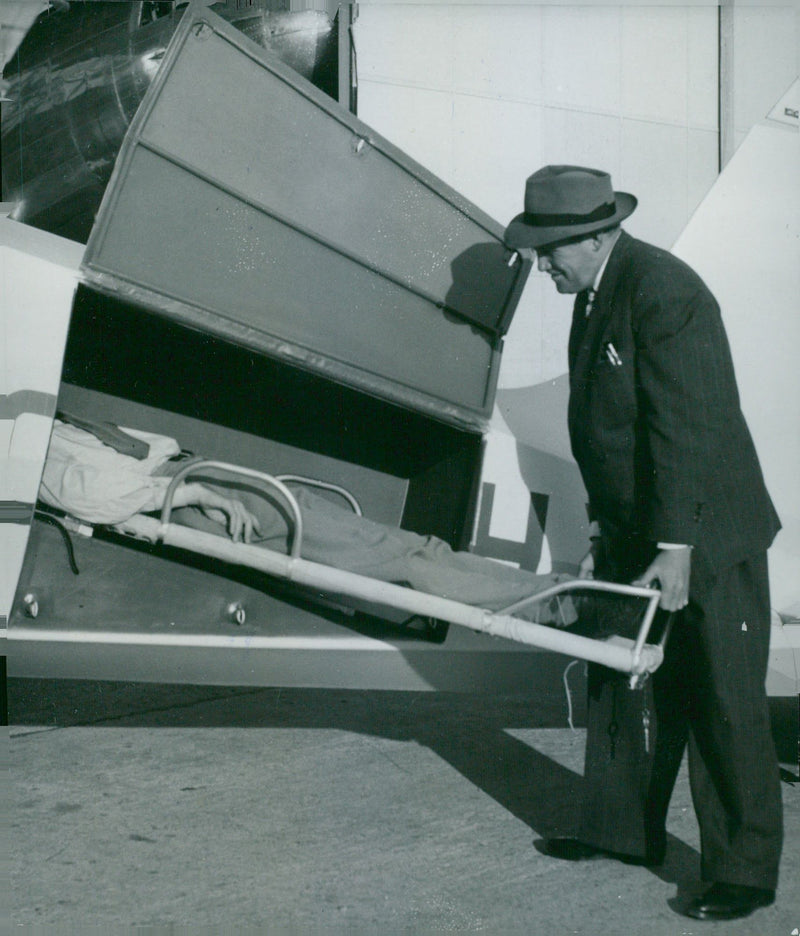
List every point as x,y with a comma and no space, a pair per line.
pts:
600,272
603,265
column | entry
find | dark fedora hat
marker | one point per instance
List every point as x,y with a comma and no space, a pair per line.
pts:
564,202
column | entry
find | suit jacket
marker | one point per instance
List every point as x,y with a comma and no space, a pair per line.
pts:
654,415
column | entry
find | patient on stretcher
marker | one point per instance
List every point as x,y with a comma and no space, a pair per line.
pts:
99,473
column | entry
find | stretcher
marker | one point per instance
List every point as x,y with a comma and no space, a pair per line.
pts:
634,656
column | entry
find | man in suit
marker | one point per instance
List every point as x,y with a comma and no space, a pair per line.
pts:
676,495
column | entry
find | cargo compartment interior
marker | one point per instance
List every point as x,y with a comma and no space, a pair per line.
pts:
140,370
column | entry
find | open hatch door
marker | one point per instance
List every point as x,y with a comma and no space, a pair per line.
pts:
284,224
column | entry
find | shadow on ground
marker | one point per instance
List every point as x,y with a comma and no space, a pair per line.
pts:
470,732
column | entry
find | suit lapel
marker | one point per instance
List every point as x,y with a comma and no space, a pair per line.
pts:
587,334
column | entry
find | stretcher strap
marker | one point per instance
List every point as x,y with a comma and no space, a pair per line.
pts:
324,486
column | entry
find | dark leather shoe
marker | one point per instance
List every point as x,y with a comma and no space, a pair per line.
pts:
567,849
729,902
570,849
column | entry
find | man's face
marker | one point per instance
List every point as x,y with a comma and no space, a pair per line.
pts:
572,267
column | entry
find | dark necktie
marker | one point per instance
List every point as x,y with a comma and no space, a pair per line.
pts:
580,314
109,434
583,304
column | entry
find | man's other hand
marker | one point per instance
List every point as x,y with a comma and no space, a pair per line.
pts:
238,520
227,511
671,570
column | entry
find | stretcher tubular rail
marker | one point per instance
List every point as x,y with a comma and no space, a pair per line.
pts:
635,657
325,486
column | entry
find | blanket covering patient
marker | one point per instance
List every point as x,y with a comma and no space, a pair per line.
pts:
98,482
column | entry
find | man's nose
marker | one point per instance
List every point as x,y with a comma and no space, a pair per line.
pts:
543,263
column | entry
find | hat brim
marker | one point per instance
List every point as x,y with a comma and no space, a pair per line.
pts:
521,233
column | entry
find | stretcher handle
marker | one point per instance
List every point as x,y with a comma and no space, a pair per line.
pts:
325,486
295,533
653,596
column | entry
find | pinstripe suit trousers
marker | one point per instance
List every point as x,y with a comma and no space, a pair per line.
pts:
709,693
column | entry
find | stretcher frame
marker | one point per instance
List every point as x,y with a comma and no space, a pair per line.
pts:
635,657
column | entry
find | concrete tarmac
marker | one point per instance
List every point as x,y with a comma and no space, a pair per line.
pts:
177,808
